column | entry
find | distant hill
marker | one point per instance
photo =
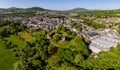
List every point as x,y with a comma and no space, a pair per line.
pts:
13,9
1,9
78,10
35,9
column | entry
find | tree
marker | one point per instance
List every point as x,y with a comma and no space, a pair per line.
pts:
78,58
62,28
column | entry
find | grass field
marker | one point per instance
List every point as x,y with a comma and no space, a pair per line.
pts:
64,44
74,44
26,36
17,41
7,59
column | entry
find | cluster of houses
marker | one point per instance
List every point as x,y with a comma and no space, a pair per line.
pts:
103,40
110,22
38,22
45,21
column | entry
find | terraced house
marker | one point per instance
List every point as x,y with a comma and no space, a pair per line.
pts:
104,42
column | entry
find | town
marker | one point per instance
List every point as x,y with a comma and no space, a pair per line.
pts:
42,39
101,39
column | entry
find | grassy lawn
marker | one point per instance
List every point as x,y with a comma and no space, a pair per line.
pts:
67,44
26,36
7,59
17,41
64,44
74,44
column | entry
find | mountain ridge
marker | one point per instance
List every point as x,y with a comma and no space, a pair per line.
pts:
43,9
38,9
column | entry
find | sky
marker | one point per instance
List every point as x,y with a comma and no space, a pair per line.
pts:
62,4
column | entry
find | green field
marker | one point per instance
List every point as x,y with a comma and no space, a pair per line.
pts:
7,59
74,44
17,41
26,36
64,44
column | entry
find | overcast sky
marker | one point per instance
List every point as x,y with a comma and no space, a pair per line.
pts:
62,4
